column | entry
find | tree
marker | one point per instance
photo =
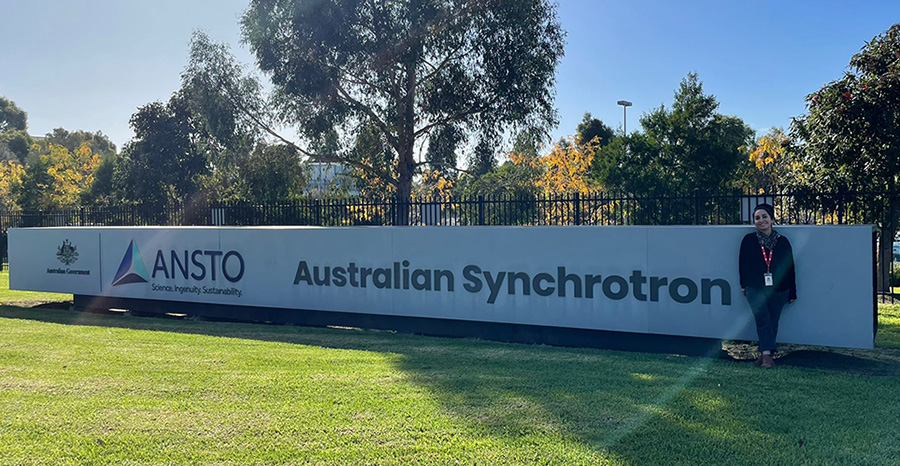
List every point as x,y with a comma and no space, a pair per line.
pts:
567,168
529,142
273,174
102,192
516,178
17,143
14,139
98,142
632,164
409,68
11,173
72,173
164,162
229,116
851,136
372,149
591,128
690,146
223,100
7,155
33,192
441,155
771,162
594,133
850,139
481,159
55,177
12,117
519,177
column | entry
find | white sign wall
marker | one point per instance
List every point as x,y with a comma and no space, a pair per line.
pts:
674,280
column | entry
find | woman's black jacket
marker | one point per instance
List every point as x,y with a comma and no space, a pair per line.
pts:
753,266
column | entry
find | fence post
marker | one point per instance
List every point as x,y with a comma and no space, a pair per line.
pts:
696,206
892,201
840,206
392,206
576,204
82,216
481,209
318,212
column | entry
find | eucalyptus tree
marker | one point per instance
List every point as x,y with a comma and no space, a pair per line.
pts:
410,69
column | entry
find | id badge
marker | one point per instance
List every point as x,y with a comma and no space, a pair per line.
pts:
768,278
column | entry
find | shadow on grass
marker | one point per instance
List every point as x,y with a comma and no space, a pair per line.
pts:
880,362
634,408
831,361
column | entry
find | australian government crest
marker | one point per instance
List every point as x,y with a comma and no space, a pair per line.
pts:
67,253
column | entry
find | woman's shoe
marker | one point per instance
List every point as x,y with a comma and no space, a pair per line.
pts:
758,361
767,361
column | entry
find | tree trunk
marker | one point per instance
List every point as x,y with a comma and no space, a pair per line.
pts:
405,161
404,187
885,260
886,243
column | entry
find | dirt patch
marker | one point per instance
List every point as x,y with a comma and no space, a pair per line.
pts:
879,362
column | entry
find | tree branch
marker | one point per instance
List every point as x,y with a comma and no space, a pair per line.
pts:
372,170
327,158
449,119
368,111
440,67
354,79
445,165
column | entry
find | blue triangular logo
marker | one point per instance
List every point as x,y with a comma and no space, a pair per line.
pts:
131,270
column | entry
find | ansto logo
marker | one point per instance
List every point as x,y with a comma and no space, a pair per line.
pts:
197,265
132,269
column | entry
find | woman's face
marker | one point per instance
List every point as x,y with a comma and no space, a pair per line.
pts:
762,220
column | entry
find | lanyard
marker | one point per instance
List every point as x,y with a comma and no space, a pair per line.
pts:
767,259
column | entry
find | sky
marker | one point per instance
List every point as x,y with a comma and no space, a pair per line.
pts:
90,64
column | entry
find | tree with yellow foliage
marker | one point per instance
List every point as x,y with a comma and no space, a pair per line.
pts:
55,178
435,185
567,167
10,179
71,173
770,160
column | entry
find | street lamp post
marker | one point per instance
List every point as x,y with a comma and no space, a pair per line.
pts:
625,104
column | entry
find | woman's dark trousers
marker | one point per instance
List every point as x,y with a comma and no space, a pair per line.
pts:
767,304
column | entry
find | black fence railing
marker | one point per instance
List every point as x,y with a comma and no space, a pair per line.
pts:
598,208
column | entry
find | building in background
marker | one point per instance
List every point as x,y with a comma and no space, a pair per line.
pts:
327,178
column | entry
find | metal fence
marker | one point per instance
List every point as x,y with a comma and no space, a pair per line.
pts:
599,208
695,207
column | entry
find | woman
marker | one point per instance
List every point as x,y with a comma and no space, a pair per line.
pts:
767,279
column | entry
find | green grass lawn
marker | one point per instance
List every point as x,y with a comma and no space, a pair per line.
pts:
86,389
8,296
